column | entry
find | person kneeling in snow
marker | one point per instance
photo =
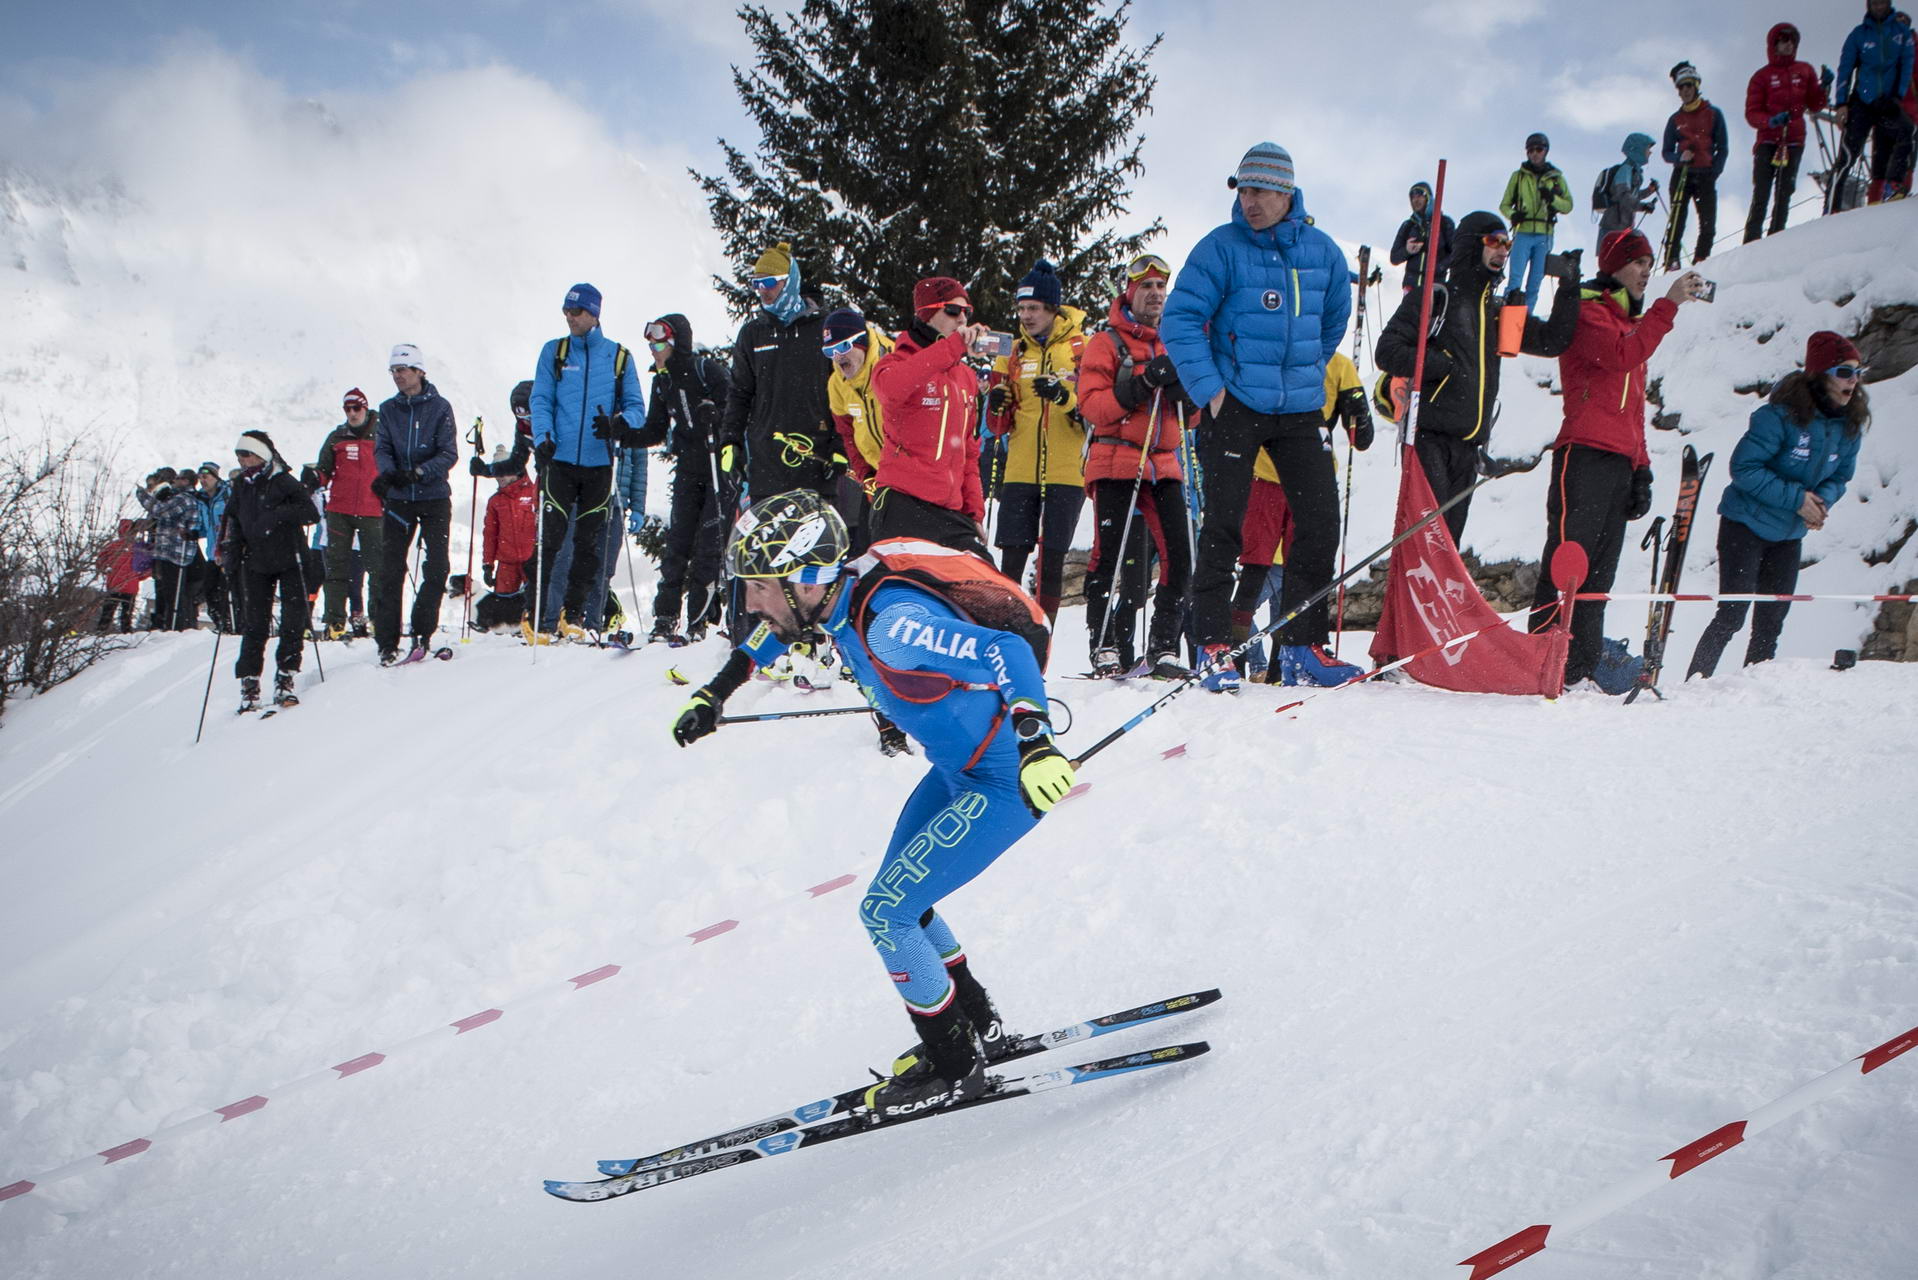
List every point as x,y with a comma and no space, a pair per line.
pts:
952,652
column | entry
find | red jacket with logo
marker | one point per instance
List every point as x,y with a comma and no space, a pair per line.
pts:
511,516
1118,433
930,398
1781,85
1603,373
346,460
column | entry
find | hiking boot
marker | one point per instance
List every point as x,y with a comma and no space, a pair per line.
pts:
1310,664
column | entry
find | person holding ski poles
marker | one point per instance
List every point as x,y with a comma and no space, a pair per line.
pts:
1601,473
1777,98
1260,306
415,446
265,548
953,652
1791,466
1874,73
1535,196
1696,146
688,395
1130,395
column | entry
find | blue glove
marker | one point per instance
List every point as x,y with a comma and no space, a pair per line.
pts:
635,521
1825,78
1780,120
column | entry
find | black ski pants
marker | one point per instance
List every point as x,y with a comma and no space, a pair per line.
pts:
432,521
1590,492
695,538
1885,124
1042,515
1748,565
1451,467
341,530
1773,182
897,514
1297,446
175,600
1691,188
1157,527
257,619
576,496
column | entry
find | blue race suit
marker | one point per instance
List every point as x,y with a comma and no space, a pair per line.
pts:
968,809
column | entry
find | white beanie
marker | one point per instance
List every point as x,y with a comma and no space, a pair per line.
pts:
254,443
406,356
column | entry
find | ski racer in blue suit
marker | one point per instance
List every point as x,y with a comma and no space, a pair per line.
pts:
951,652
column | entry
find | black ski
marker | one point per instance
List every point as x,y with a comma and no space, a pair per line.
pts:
851,1125
1658,627
808,1112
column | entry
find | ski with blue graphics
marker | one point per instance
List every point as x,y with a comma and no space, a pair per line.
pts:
858,1122
854,1098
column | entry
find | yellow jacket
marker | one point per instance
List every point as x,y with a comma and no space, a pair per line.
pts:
1340,373
1025,412
856,411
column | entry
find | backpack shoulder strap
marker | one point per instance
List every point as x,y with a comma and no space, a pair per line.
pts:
559,356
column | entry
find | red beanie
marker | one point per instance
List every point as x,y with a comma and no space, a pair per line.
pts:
1622,247
934,292
1825,349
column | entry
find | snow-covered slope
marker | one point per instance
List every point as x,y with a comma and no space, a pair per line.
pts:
1482,956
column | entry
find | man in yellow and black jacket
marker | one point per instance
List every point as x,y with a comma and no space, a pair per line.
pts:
1459,399
1035,398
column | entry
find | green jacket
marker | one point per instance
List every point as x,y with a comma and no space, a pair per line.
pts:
1533,200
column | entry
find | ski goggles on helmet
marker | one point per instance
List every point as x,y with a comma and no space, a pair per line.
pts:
1147,264
1847,370
659,333
833,350
762,283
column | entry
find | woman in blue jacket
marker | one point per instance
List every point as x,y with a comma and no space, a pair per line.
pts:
1793,463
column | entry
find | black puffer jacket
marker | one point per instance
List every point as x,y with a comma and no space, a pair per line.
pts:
777,407
674,407
1460,395
265,520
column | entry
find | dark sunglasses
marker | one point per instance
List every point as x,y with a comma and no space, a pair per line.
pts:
956,311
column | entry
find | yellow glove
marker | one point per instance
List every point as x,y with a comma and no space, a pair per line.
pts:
728,455
699,717
1045,775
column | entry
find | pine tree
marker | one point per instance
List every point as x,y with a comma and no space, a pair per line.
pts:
906,138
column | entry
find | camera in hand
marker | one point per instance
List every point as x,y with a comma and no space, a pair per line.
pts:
1707,291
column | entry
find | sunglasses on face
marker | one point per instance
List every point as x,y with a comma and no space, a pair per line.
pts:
768,282
1535,151
956,311
836,349
1147,264
1847,371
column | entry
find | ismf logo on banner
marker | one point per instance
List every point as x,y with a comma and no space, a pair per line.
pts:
1438,602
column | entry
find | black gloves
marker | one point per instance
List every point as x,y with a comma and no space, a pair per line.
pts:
1160,372
545,450
1570,265
1047,387
381,483
602,425
1641,494
1357,414
479,468
486,574
1780,120
996,399
706,419
699,717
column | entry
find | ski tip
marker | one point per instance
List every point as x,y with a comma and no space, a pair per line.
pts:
616,1168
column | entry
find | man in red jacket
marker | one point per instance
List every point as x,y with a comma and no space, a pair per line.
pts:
1601,474
1129,395
927,482
347,468
1776,100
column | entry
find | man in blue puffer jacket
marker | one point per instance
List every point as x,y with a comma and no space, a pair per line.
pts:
414,447
1259,308
1873,74
583,388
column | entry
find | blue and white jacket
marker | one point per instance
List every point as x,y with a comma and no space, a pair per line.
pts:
1781,456
1258,313
1879,54
564,407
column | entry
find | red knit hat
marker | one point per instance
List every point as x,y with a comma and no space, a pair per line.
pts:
934,292
354,399
1825,349
1622,247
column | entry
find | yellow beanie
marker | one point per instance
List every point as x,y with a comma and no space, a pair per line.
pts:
776,261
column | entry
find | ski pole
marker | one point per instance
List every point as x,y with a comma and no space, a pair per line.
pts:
208,695
1232,655
477,438
793,715
1408,429
1351,451
319,663
538,602
1138,479
1379,671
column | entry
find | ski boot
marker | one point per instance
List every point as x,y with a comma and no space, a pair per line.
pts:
528,634
570,630
663,633
1221,676
968,994
950,1068
358,625
1166,666
892,739
335,631
389,657
283,695
1310,664
249,694
1106,664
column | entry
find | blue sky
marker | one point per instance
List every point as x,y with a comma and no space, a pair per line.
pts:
1365,109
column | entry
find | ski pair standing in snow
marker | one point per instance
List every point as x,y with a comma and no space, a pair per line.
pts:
264,546
952,653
